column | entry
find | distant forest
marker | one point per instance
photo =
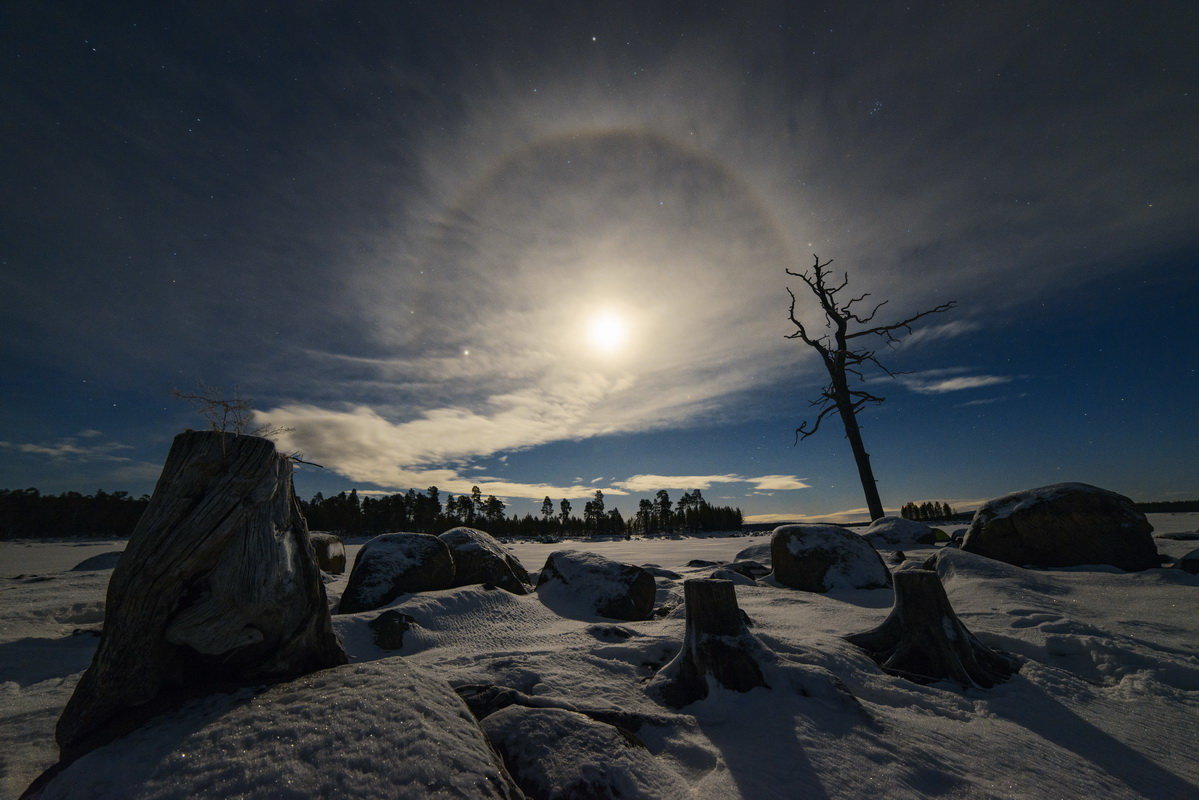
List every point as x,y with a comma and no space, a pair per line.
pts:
29,514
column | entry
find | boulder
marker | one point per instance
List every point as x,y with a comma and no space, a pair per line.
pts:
737,578
393,564
373,731
759,552
329,552
575,583
1189,562
215,588
102,561
892,533
555,754
479,558
1063,525
749,568
817,558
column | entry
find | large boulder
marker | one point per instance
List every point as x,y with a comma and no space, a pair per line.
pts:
817,558
759,552
893,533
1063,525
374,731
555,754
393,564
479,558
575,583
215,588
329,551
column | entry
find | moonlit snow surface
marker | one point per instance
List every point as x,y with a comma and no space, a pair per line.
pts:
1106,703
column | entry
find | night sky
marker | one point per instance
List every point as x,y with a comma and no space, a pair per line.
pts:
540,247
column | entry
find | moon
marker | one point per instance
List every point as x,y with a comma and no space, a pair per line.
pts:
607,332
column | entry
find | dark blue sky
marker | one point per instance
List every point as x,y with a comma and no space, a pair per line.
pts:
395,228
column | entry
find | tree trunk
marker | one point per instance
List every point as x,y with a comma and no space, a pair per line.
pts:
924,641
716,644
217,587
853,433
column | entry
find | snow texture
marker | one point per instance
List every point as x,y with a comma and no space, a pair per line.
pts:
1105,705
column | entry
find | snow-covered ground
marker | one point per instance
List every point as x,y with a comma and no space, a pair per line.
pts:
1106,704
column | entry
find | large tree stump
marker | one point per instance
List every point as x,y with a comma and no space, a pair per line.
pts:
716,644
217,587
924,641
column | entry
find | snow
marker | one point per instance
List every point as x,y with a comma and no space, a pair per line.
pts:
1106,703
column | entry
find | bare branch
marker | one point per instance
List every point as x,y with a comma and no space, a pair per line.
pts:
886,331
803,432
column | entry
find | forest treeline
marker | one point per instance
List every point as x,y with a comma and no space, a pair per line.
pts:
351,515
29,514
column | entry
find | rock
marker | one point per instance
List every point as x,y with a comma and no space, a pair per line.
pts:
890,533
479,558
717,648
576,583
898,557
1063,525
661,572
699,562
393,564
817,558
372,731
759,552
102,561
735,577
215,588
555,754
749,568
1189,562
923,640
329,552
389,628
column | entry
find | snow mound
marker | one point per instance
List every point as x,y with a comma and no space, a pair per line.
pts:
893,532
102,561
552,752
379,730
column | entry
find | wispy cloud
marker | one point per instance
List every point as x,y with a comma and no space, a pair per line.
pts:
948,379
71,449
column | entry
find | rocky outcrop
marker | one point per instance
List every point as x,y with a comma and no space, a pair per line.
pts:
580,584
394,564
818,558
1063,525
479,558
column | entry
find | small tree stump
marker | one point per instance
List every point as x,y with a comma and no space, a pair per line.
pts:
716,643
217,587
923,640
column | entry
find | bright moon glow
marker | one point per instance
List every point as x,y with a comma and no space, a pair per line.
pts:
607,332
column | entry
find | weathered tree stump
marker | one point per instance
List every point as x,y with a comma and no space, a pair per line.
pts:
217,588
923,640
716,643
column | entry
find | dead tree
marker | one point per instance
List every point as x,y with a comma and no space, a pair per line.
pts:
217,587
845,353
924,641
716,644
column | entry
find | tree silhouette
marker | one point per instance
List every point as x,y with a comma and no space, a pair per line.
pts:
845,353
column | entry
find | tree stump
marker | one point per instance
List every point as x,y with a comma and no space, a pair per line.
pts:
924,641
716,644
217,588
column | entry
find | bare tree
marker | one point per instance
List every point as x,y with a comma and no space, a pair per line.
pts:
845,353
227,414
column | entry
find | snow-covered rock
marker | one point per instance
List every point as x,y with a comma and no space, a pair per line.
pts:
1063,525
1189,562
329,552
817,558
759,552
374,731
479,558
554,754
394,564
102,561
890,533
576,583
